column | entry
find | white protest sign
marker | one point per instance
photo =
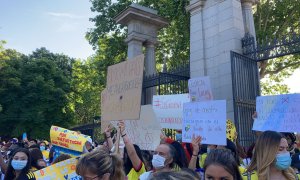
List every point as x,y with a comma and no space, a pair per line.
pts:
168,109
279,113
121,99
200,89
207,119
144,132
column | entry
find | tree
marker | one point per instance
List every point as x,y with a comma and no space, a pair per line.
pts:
34,92
272,19
174,40
277,19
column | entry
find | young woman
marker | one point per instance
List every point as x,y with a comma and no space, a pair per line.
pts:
271,159
100,165
19,166
221,165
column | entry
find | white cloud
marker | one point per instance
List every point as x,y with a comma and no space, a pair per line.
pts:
65,15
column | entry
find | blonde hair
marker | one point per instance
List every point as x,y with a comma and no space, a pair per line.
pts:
265,152
100,162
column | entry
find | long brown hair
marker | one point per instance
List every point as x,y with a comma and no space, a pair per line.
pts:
264,156
100,162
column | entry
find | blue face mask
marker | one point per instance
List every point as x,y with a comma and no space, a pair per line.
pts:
18,164
208,150
42,148
283,161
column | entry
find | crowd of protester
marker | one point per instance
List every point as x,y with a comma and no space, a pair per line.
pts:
274,155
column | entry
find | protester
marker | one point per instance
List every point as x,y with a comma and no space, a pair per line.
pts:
19,166
35,155
220,164
88,145
296,164
44,150
100,165
180,159
32,142
163,160
61,157
176,175
271,159
132,156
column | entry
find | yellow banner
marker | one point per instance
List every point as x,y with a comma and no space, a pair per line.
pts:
67,139
62,170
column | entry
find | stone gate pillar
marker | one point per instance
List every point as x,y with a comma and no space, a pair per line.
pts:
216,28
248,16
143,25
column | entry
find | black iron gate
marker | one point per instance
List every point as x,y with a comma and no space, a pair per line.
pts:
245,76
245,86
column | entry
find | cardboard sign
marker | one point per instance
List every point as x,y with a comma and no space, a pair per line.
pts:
200,89
144,132
207,119
278,113
168,109
67,139
122,97
62,170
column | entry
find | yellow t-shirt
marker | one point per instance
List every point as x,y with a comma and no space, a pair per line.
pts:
134,175
247,176
202,159
45,154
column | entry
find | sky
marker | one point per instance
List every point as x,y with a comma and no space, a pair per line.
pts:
58,25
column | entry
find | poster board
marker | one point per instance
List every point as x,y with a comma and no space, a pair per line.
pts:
200,89
144,132
279,113
207,119
62,170
121,98
67,139
169,108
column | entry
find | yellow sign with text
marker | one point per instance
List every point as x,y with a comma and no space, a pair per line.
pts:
62,170
67,139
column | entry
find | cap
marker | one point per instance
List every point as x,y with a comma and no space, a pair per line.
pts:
296,161
89,139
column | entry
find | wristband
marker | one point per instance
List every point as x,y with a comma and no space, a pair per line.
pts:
195,155
123,135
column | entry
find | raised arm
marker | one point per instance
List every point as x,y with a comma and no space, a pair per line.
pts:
134,158
107,133
196,140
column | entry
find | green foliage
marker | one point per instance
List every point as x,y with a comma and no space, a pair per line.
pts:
173,40
34,93
277,19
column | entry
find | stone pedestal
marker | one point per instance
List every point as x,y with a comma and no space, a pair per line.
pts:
216,28
143,24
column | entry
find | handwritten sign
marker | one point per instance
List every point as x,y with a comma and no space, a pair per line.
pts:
62,170
67,139
168,109
122,97
200,89
207,119
278,113
144,132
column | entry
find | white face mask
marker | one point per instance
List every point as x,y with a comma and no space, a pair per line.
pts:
158,161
